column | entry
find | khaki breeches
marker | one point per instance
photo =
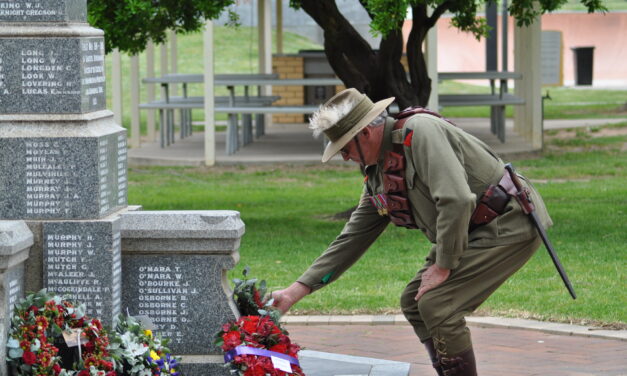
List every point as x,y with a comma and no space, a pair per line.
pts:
440,313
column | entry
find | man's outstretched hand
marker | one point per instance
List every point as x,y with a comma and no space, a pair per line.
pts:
286,298
431,278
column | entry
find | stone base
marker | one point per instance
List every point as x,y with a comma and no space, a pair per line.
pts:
204,369
80,260
175,265
62,166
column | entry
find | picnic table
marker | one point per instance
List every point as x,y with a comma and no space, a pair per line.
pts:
232,105
496,100
259,105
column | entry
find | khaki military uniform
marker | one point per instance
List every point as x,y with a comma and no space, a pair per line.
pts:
446,171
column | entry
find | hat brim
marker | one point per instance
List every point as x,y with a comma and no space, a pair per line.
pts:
334,147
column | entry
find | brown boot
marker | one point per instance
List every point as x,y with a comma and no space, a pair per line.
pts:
462,364
434,356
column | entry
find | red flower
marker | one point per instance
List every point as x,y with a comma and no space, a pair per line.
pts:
231,339
29,357
83,373
89,347
57,369
249,323
257,370
280,348
33,308
257,299
111,373
25,345
97,324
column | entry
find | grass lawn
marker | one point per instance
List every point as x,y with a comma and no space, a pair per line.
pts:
287,211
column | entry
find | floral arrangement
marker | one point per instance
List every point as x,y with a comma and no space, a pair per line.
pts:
138,352
35,340
256,344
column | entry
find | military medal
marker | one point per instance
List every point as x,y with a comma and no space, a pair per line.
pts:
380,202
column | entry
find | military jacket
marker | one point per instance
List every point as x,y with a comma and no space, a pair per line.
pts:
446,172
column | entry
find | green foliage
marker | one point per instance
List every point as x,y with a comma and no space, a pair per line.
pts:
388,15
130,24
250,298
136,350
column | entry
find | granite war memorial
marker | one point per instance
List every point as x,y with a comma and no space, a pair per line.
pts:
63,195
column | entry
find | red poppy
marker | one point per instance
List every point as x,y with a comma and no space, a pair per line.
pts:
280,348
232,339
29,357
250,324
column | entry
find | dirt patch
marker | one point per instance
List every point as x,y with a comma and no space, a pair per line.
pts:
591,132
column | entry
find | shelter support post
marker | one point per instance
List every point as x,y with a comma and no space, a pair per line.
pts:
209,106
135,118
264,13
150,91
279,27
431,52
528,117
116,85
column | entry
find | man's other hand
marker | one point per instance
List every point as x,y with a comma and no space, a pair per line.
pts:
286,298
431,278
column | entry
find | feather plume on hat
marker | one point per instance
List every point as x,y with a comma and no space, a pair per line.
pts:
327,116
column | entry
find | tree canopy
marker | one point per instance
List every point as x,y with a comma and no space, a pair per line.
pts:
379,73
130,24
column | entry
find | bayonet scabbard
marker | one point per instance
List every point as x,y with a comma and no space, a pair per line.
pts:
527,206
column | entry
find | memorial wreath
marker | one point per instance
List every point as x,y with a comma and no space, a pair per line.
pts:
256,344
44,330
50,336
137,352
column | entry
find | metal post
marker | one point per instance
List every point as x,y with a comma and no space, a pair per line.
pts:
209,105
116,81
135,119
150,91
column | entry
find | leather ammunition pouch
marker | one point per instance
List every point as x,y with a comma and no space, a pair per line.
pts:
394,202
494,201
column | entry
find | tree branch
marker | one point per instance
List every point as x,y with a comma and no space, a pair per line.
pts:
349,54
438,12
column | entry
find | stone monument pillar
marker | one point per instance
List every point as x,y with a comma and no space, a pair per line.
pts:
175,265
15,241
62,157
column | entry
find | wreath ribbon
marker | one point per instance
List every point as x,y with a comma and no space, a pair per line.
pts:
246,350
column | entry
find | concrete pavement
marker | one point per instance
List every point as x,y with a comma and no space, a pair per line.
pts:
293,143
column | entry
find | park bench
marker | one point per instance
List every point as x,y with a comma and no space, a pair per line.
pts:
496,100
261,105
232,105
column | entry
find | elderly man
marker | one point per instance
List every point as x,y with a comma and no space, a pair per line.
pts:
424,173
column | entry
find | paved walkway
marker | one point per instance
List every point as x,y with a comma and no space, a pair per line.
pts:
500,350
293,143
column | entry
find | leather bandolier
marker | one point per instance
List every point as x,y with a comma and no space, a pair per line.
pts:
394,201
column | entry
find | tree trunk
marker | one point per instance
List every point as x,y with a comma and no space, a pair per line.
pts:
379,74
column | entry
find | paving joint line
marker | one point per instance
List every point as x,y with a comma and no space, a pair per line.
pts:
477,321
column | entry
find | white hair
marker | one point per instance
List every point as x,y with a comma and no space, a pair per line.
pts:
326,116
